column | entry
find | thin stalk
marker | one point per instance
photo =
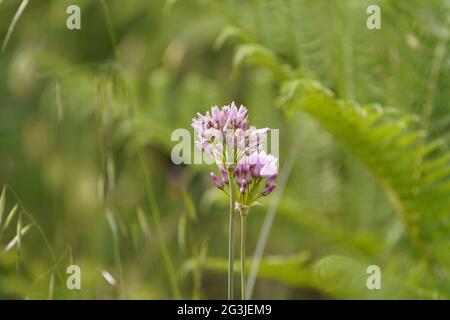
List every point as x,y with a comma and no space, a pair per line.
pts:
119,268
170,269
270,215
110,28
16,18
243,215
231,240
436,66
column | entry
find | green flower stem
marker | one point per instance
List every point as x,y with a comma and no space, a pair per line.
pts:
243,216
231,240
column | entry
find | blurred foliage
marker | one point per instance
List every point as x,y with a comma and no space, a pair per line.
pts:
86,118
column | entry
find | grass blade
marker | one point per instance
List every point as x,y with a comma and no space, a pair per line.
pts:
15,240
189,204
109,278
18,233
51,286
19,12
9,218
2,204
143,223
181,232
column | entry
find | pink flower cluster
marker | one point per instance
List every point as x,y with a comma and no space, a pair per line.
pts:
237,149
254,167
225,134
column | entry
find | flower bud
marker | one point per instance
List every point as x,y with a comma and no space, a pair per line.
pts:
217,181
224,173
270,186
248,173
238,174
243,186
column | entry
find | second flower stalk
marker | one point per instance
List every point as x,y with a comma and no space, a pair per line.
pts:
242,212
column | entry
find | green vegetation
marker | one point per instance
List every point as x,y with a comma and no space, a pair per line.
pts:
86,118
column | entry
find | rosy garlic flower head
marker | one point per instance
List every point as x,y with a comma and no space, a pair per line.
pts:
225,134
236,147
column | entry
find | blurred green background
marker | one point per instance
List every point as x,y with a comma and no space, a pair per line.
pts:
86,118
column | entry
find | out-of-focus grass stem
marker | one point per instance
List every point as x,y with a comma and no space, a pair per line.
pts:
157,222
243,217
270,216
110,27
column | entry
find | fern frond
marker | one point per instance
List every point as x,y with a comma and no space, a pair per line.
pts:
414,175
416,183
254,54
